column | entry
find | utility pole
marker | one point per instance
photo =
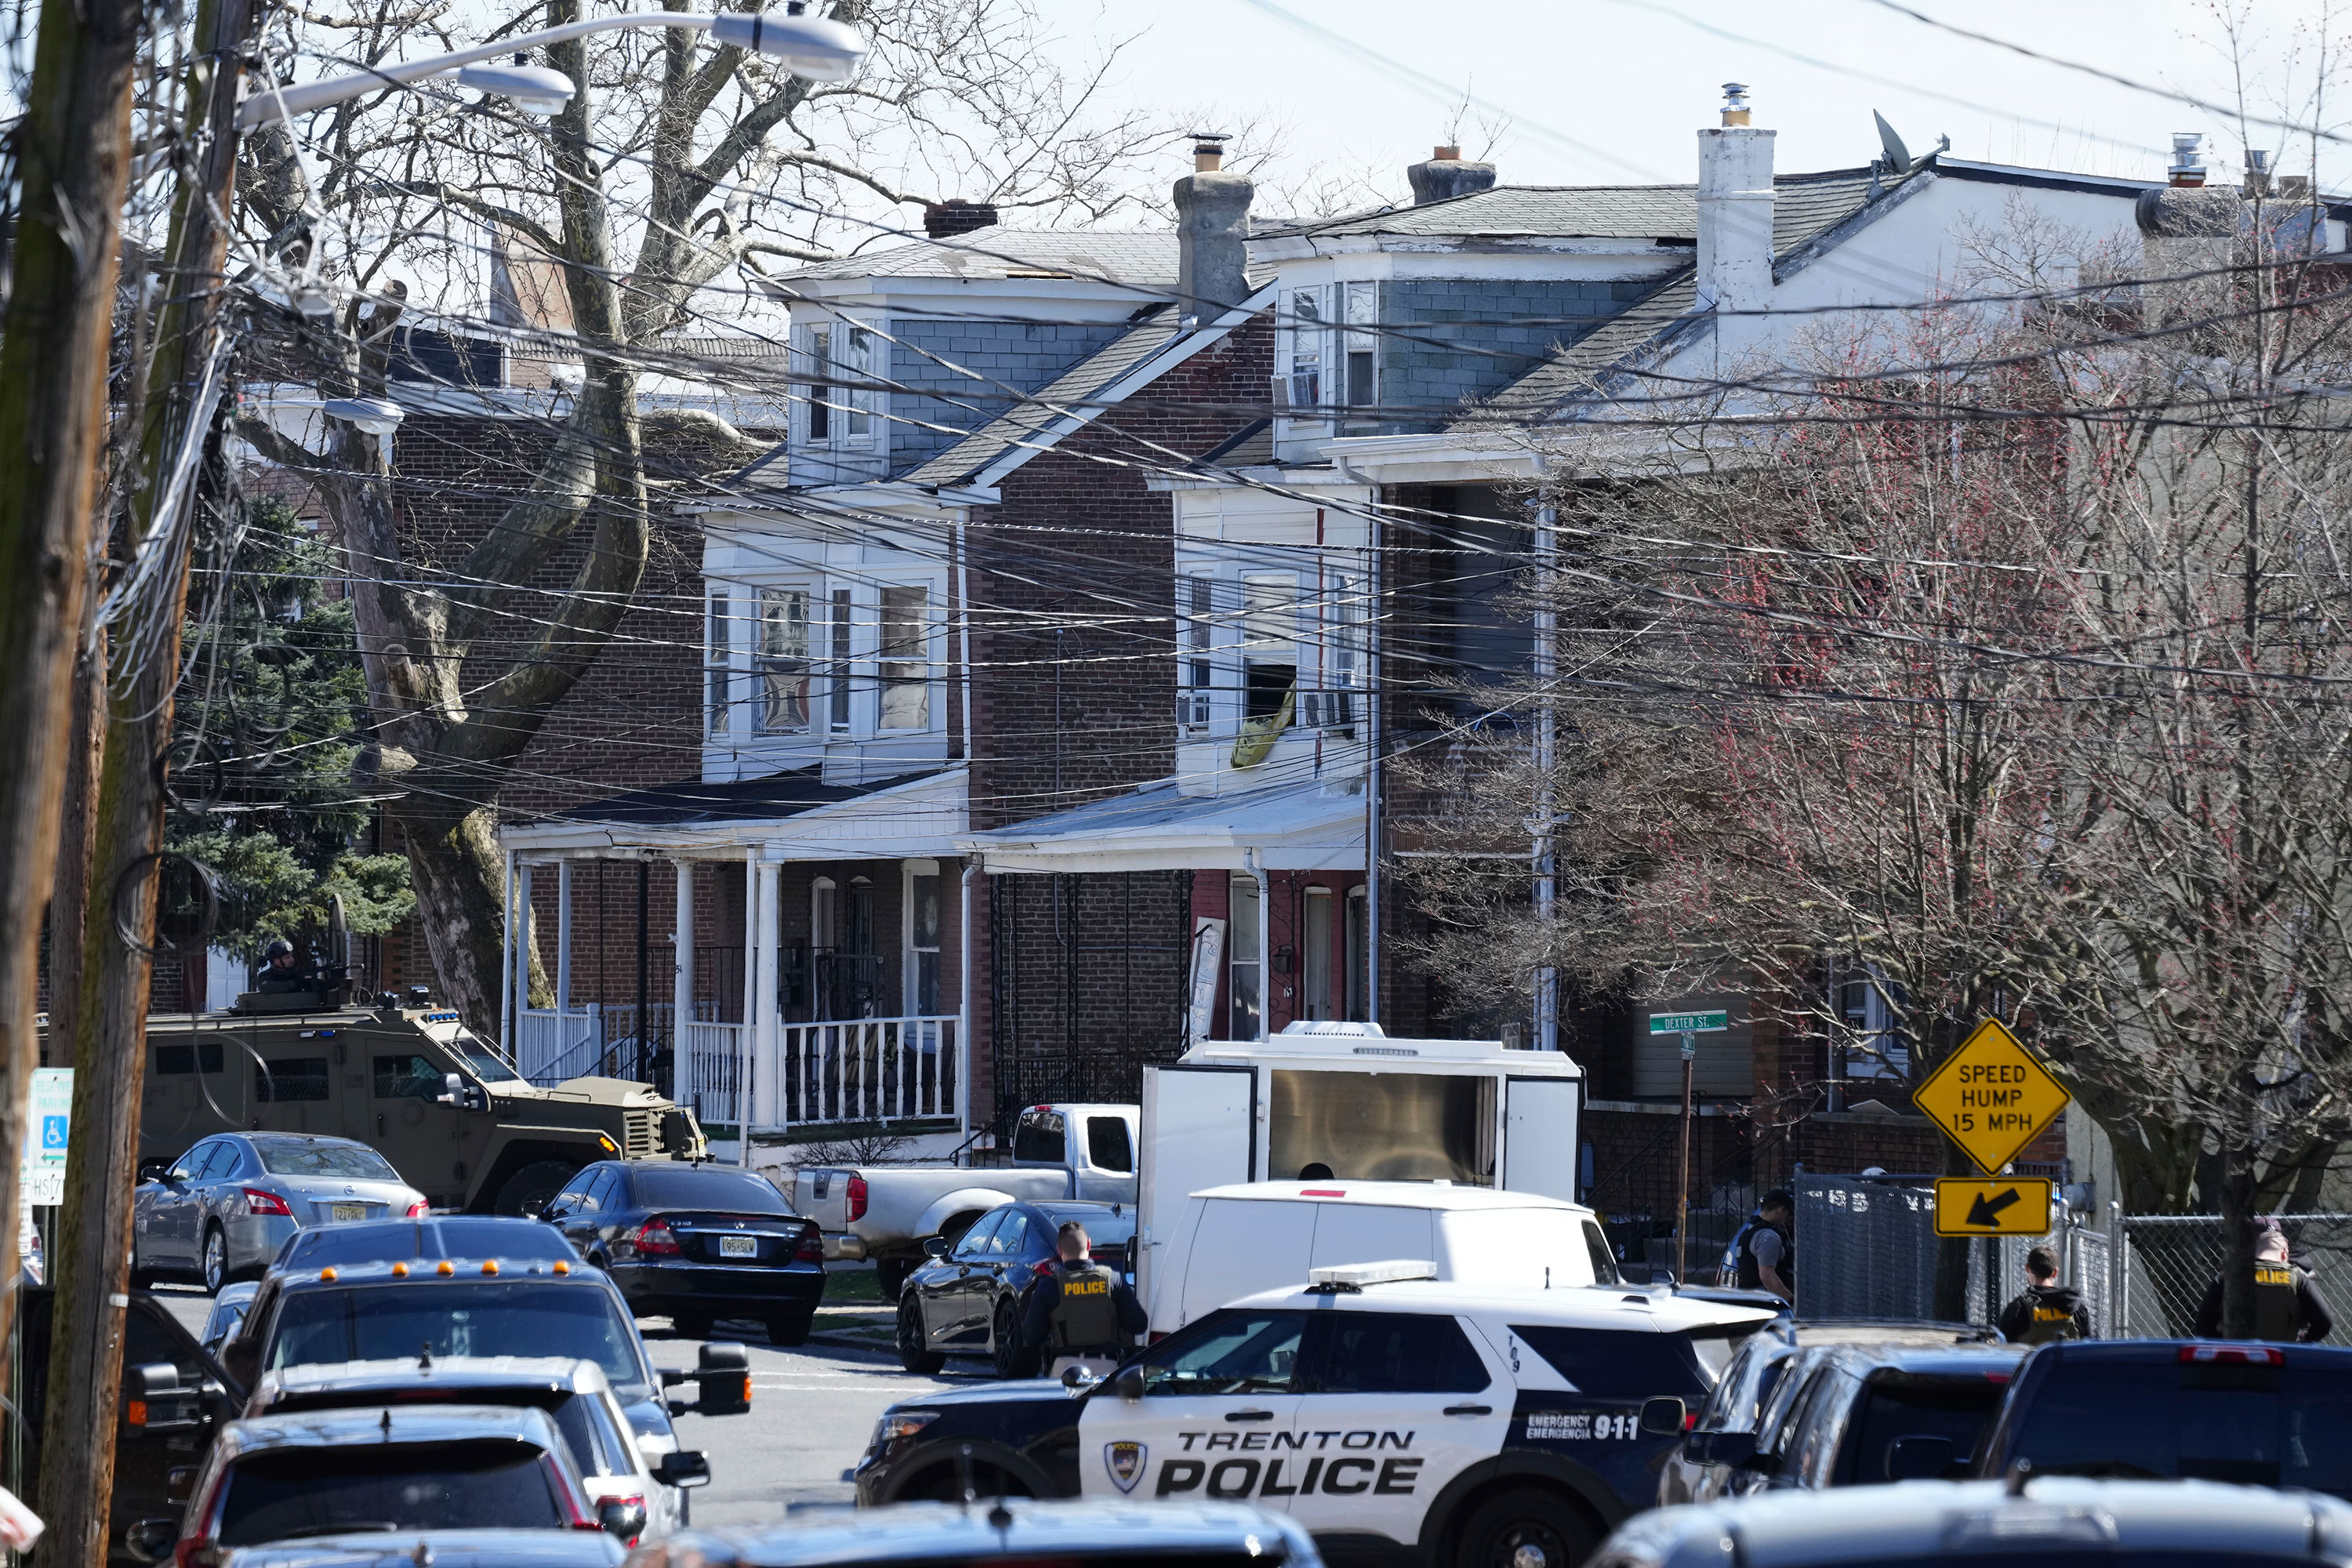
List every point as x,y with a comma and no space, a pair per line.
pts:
73,151
92,1257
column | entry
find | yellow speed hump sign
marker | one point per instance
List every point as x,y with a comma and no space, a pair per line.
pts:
1997,1205
1991,1097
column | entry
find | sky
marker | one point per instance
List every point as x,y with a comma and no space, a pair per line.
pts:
1606,92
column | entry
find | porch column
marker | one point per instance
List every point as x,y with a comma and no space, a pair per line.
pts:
767,1041
506,965
963,1000
1264,946
682,986
563,943
520,921
750,992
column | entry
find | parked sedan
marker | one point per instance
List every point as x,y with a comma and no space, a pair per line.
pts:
224,1208
696,1243
967,1300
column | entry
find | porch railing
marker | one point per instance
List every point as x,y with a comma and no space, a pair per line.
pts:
856,1070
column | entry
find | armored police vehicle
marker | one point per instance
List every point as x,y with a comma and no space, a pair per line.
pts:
1378,1408
454,1117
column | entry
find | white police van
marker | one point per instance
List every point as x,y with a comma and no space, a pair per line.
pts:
1378,1408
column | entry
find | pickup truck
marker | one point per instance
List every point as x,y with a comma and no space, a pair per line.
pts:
887,1211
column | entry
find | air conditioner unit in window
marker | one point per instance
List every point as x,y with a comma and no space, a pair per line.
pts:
1193,709
1325,710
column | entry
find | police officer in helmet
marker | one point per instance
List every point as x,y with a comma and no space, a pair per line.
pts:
1764,1253
283,970
2287,1307
1082,1314
2046,1311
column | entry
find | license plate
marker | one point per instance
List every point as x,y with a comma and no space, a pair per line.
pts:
342,1213
738,1247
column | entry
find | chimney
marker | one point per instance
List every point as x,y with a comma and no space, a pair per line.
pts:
946,219
1735,209
2258,172
1211,232
1446,176
2187,171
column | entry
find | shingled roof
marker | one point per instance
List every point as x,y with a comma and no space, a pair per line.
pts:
1805,209
1141,260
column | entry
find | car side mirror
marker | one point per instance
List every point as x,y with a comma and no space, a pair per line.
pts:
935,1246
551,1212
1127,1383
1664,1416
151,1539
623,1516
1732,1449
153,1399
1918,1458
683,1467
722,1380
1078,1377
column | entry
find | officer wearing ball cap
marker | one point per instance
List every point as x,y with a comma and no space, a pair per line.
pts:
2288,1309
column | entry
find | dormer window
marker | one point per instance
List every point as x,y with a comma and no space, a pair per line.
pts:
1306,348
842,404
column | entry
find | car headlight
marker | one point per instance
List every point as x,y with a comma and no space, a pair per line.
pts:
898,1425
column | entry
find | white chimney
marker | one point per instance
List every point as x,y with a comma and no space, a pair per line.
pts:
1734,210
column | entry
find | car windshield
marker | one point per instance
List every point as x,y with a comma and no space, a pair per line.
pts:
276,1495
522,1318
484,1063
708,1187
1104,1229
2255,1426
301,1157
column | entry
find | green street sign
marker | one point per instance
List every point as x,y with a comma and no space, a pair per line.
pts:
1714,1023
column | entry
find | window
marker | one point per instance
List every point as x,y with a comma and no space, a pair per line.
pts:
838,684
192,1166
1905,1404
1269,641
1013,1237
715,674
1332,706
1315,955
825,926
1038,1136
1307,334
903,661
855,361
859,937
981,1238
708,1187
1399,1353
820,394
178,1061
1108,1148
1604,1261
1244,1016
284,1157
1361,345
1231,1352
1619,1363
923,938
1196,635
783,659
1358,950
296,1078
476,1484
407,1077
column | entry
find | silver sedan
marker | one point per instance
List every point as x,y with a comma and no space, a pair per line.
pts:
227,1205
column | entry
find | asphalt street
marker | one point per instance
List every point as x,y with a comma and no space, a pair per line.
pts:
813,1410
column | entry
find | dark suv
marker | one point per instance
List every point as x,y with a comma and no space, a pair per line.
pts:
1862,1415
2268,1416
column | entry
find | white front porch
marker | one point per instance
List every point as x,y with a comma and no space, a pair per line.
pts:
788,1026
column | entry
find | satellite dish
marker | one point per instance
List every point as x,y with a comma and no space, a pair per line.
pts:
1898,156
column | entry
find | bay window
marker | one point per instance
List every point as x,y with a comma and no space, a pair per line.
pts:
783,660
903,661
717,655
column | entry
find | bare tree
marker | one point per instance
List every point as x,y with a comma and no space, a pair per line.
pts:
673,170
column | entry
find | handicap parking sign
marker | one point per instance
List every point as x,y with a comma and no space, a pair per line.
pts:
53,1133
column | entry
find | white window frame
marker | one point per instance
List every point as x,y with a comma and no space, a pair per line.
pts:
763,594
1360,313
927,679
718,655
845,663
1305,370
911,953
1196,654
853,417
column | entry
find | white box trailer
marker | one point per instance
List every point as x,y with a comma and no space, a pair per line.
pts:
1350,1103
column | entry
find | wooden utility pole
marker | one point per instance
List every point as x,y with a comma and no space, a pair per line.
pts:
92,1260
73,149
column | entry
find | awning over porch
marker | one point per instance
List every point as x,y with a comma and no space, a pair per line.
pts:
1292,827
796,814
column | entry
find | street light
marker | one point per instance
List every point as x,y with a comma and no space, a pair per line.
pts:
811,47
373,415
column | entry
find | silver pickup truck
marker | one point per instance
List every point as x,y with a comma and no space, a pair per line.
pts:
886,1212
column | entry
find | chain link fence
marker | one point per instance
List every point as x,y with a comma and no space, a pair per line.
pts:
2170,1259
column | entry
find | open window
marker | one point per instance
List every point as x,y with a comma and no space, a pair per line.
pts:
1269,645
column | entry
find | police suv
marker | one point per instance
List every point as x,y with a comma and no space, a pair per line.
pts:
1378,1408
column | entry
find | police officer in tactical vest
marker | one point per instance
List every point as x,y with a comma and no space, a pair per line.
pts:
2044,1310
2287,1307
1764,1253
1082,1314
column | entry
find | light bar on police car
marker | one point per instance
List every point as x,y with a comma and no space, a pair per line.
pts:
1356,1275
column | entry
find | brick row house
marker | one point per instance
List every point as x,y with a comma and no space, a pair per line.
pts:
1047,663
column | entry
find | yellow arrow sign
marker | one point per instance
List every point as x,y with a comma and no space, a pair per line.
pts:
2004,1206
1991,1097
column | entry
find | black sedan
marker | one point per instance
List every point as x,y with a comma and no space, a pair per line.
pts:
696,1243
967,1300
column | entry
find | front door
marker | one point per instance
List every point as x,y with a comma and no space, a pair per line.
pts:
948,1293
1401,1403
410,1127
172,1214
1218,1417
1010,1253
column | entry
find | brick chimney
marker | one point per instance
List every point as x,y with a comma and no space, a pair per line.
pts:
946,219
1735,209
1211,232
1446,176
